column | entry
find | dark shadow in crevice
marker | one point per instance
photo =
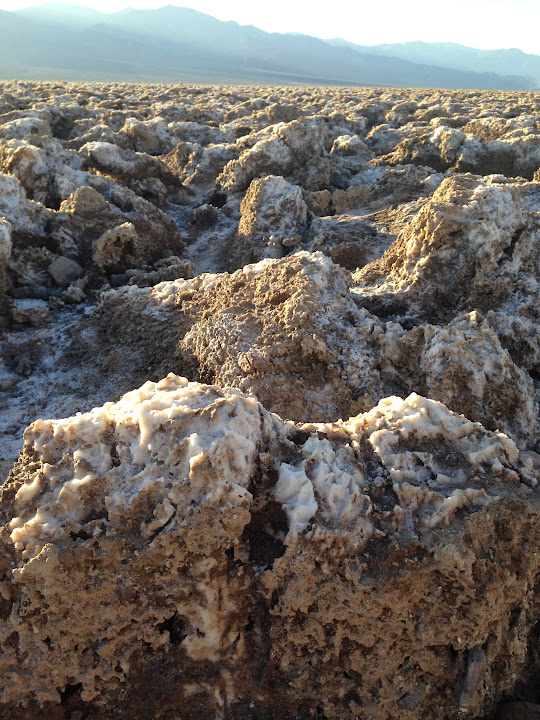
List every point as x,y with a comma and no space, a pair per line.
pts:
69,692
176,627
508,252
265,534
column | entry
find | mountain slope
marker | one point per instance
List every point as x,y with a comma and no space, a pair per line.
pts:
179,44
453,55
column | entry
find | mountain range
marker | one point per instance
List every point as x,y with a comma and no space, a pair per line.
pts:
174,44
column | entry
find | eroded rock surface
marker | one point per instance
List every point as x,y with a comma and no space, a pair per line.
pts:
186,538
347,258
292,332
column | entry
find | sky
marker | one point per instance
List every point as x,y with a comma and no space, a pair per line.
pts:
485,24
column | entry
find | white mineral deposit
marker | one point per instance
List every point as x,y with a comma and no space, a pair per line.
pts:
270,374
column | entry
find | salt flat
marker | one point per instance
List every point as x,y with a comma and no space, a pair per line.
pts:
319,496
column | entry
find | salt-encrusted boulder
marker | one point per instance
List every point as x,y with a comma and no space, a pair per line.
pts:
125,165
463,365
349,146
116,247
377,188
319,202
269,156
469,246
280,151
87,224
197,166
287,330
43,167
437,147
272,210
290,332
272,206
185,553
472,148
197,132
474,245
81,219
29,220
150,136
21,127
242,122
27,164
349,155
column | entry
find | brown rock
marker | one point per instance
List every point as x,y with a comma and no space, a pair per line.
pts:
325,357
518,711
86,219
184,553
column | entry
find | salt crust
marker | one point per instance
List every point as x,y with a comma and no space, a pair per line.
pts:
359,358
175,444
139,425
5,241
442,463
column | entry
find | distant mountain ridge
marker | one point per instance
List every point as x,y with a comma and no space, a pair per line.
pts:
510,61
173,44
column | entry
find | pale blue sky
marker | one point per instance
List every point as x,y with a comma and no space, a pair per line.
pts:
486,24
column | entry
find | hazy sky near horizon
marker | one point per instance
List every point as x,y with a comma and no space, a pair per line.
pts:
485,24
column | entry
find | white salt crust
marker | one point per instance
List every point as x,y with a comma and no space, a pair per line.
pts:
151,463
176,444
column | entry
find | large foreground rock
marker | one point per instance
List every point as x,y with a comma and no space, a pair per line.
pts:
183,553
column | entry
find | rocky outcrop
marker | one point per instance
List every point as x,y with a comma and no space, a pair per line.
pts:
472,246
272,206
122,164
281,150
123,232
465,247
514,153
29,220
184,551
273,215
463,365
366,552
291,332
197,166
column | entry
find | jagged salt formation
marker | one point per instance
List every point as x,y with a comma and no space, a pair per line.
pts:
183,550
292,332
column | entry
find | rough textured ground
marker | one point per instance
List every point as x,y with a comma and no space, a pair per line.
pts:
336,515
